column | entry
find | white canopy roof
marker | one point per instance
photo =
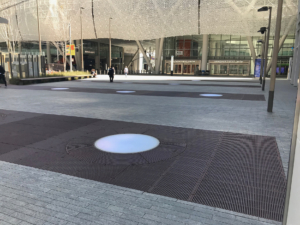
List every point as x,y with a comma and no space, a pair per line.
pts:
138,19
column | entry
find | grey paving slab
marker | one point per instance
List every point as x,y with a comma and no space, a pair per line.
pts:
220,115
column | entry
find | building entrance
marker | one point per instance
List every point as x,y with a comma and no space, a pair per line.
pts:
183,67
229,67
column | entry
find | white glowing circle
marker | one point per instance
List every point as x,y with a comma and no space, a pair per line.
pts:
125,92
211,95
126,143
58,89
174,84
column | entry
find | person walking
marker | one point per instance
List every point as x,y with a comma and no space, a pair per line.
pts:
111,73
126,71
2,75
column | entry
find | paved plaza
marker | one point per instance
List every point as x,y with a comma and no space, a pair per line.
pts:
222,158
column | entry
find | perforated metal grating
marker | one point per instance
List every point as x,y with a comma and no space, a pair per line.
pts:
237,172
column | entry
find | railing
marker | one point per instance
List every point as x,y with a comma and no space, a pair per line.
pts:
23,65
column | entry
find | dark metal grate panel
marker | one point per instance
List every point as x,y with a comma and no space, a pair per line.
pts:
232,171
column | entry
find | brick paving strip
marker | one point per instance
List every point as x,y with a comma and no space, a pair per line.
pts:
230,96
230,171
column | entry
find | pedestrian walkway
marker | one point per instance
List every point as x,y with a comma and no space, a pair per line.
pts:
206,170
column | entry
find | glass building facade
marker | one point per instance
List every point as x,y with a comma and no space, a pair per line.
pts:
228,55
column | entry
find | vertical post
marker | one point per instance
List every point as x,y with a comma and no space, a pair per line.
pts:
32,65
27,60
10,68
204,52
38,20
71,64
1,59
49,60
109,63
172,64
267,50
81,51
57,55
64,56
275,56
38,60
262,63
20,68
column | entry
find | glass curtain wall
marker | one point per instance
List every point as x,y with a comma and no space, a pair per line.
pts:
183,47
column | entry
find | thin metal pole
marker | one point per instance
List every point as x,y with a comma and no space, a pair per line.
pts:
38,20
109,45
64,56
262,59
81,47
71,64
267,50
10,67
32,65
20,68
275,56
27,60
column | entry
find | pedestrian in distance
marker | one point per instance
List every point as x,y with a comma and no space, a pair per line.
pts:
2,75
111,73
126,71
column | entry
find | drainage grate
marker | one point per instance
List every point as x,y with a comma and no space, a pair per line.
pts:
237,172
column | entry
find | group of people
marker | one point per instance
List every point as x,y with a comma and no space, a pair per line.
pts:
111,73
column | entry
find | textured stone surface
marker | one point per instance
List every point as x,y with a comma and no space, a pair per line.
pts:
24,185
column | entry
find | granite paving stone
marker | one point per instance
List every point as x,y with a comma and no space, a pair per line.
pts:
31,193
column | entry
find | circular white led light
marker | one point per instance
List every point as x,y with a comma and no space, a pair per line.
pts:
125,92
211,95
126,143
58,89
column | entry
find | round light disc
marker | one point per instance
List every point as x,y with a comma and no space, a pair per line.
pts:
127,143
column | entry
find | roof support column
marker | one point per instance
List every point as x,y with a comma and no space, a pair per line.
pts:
48,53
252,50
157,42
132,59
78,55
144,54
161,45
204,52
